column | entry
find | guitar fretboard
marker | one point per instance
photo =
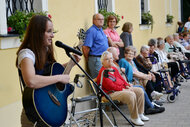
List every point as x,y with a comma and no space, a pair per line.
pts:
71,63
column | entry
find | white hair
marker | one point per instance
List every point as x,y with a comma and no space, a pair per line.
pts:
144,48
175,34
160,42
105,54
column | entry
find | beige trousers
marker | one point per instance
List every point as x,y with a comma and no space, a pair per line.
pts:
133,99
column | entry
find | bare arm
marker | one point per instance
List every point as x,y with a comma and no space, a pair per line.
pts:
141,75
86,51
114,43
185,29
120,44
33,80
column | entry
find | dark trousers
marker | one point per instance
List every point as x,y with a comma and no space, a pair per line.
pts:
174,69
149,89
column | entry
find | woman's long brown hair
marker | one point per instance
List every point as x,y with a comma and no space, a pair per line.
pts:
34,40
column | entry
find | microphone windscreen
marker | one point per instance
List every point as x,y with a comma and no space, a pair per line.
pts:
58,44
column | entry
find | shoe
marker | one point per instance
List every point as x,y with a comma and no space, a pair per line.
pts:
143,118
156,95
176,84
154,110
137,121
157,103
162,100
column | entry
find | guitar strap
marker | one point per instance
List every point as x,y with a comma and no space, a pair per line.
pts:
22,84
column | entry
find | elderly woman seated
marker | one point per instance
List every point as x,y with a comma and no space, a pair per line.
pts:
163,60
146,63
135,76
123,92
150,107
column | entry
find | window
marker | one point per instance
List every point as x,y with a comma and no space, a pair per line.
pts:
144,8
8,7
108,5
168,10
13,5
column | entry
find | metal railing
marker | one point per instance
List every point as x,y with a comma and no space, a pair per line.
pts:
22,5
103,4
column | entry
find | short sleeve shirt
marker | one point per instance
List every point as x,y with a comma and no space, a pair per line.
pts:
25,53
112,34
187,25
167,47
96,40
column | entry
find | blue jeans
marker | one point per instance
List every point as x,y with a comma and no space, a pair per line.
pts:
94,65
148,103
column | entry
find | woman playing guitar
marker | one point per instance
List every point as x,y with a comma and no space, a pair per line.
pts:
34,57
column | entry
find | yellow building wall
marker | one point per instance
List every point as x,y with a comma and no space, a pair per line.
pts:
131,12
70,15
9,84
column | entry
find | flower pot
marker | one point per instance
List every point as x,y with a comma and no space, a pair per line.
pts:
169,20
145,21
12,32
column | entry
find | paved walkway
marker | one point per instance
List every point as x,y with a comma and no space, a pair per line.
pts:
177,114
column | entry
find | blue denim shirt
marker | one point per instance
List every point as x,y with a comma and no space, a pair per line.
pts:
96,40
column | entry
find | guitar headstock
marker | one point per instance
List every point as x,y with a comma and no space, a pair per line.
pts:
81,34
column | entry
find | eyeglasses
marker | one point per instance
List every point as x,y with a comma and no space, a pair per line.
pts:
100,19
108,59
111,21
129,53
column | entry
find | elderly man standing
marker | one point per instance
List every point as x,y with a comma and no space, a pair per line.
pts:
95,44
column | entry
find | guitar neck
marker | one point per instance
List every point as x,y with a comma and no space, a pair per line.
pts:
69,66
71,63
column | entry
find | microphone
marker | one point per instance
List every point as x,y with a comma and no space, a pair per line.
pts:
67,48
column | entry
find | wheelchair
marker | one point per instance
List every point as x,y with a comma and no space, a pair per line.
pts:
164,71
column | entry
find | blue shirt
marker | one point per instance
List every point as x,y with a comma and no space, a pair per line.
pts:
168,47
96,40
123,63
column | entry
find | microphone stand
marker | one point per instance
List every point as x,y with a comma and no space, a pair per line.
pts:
101,92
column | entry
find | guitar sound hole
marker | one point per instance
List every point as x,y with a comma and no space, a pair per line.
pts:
60,86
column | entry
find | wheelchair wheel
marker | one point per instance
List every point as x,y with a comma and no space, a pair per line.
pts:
171,98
